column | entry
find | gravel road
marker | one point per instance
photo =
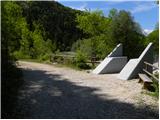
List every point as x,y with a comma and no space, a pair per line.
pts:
60,92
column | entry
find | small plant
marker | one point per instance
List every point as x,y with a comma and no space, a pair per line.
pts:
20,55
44,57
81,60
155,85
156,88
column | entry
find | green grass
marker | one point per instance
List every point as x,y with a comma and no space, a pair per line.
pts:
155,88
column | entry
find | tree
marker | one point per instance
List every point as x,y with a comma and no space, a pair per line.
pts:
57,21
123,29
11,19
95,25
154,37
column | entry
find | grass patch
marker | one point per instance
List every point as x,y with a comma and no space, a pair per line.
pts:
68,65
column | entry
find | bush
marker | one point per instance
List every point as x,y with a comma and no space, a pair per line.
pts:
81,57
81,60
68,60
44,57
156,88
83,65
154,91
20,55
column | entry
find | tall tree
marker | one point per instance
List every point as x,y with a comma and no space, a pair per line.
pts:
123,29
11,29
154,37
95,25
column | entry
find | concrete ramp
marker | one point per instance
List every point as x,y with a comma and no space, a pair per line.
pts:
135,66
113,63
117,51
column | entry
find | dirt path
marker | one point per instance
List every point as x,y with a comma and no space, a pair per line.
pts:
53,92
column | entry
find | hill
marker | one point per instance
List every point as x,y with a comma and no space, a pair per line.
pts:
57,21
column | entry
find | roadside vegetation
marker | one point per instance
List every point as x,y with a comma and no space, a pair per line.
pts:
155,87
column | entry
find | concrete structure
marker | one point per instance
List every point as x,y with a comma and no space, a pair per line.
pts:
117,51
113,63
135,66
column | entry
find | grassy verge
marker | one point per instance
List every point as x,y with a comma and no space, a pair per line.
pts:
73,66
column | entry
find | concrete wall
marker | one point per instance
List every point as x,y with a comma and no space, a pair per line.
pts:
135,66
117,51
113,63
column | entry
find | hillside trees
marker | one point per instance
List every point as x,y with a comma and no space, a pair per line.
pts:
11,17
154,37
123,29
95,25
106,33
57,21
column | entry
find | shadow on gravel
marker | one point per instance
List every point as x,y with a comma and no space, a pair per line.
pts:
51,96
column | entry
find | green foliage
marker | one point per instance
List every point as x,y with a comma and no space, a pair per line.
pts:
112,13
123,29
93,23
81,60
44,57
38,42
57,21
105,33
156,87
97,45
21,55
154,37
10,18
80,57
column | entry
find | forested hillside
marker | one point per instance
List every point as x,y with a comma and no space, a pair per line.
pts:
57,22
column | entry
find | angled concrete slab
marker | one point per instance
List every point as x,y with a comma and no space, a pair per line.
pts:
113,63
117,51
135,66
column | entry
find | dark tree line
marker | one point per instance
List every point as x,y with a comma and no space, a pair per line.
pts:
57,21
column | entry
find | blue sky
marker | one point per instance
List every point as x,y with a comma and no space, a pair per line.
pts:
146,13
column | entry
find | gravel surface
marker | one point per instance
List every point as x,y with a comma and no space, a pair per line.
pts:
60,92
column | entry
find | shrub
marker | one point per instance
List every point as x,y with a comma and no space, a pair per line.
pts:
44,57
20,55
81,60
81,57
83,65
68,60
154,91
156,88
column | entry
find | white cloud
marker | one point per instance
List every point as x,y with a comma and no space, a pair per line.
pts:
147,31
82,7
143,7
